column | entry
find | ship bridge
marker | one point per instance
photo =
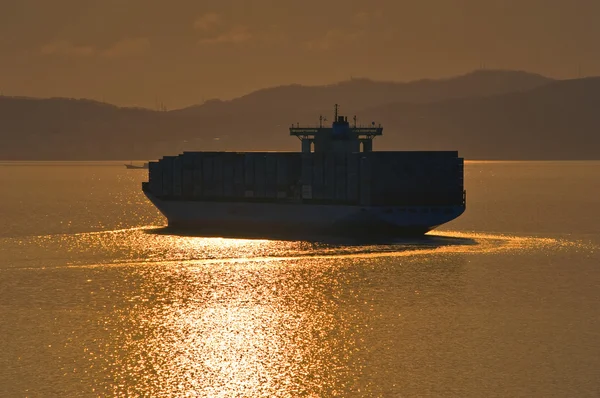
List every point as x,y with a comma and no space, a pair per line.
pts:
340,137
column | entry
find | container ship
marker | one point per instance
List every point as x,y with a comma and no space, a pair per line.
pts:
336,185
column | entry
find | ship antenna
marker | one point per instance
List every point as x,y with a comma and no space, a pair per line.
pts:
354,121
320,121
336,113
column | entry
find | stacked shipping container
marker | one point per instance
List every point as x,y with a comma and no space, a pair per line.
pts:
372,178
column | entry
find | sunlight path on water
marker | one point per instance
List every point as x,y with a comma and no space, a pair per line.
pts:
149,244
480,244
231,317
148,313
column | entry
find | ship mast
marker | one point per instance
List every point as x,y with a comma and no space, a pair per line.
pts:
339,137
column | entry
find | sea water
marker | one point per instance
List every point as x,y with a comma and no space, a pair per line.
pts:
97,299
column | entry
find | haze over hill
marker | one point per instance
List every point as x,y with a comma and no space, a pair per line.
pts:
358,94
484,115
180,53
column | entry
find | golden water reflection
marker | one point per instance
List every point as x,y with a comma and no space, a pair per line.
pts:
238,331
267,318
144,246
192,316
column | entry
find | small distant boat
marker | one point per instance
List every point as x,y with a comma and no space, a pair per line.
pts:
135,166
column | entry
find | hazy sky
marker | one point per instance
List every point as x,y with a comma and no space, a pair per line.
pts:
131,52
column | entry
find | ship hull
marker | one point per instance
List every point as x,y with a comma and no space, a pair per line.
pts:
272,218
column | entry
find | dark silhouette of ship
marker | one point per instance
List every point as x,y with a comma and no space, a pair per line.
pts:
134,166
337,185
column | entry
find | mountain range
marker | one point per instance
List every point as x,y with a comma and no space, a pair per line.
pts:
486,114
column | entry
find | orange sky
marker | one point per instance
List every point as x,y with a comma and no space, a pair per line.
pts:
131,52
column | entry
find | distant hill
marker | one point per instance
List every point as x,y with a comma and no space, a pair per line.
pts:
484,114
357,94
59,128
560,120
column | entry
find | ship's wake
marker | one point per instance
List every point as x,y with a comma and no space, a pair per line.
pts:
144,246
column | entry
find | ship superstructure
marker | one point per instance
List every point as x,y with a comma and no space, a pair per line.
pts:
337,184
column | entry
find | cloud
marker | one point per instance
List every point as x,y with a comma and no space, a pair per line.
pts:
236,35
333,38
122,48
63,47
127,47
268,36
365,17
364,25
207,22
